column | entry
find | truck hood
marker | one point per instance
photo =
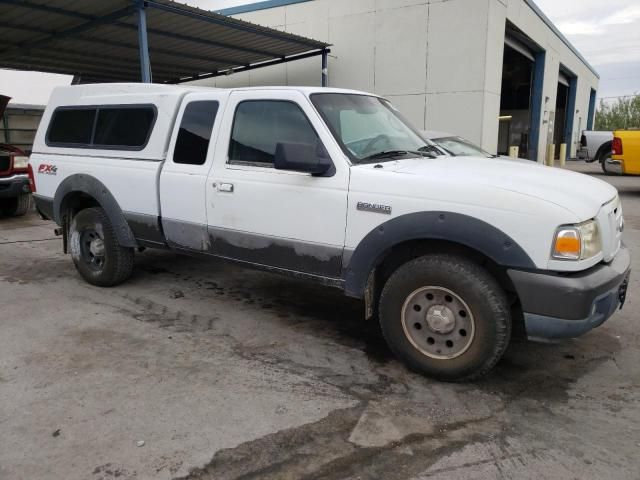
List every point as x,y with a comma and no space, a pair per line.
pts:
578,193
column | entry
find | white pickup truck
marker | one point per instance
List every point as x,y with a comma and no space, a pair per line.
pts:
334,186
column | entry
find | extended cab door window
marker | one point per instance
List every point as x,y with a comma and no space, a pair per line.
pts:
258,127
194,135
184,174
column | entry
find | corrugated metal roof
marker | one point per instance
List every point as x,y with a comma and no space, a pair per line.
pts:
98,41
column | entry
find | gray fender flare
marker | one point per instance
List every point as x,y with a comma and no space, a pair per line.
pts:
94,188
453,227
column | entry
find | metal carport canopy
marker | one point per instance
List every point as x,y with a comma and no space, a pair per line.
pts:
135,40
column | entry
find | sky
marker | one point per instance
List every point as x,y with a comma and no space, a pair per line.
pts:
606,32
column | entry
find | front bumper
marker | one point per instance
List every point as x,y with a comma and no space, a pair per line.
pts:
15,185
568,305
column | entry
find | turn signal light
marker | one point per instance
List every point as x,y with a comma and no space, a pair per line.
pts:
32,179
567,245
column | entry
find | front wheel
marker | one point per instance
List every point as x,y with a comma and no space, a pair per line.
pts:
95,250
446,317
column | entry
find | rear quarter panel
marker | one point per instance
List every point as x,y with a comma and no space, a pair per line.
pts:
630,157
131,182
130,176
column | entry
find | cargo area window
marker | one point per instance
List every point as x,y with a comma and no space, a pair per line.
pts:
259,125
117,127
125,127
194,135
72,126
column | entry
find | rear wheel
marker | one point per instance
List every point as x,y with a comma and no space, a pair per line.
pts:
446,317
95,250
15,207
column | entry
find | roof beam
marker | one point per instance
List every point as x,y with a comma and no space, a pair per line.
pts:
243,26
48,9
82,16
12,52
114,43
108,61
201,41
65,71
268,63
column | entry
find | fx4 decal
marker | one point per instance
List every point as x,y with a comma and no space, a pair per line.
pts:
48,169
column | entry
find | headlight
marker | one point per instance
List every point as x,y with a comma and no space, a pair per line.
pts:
577,242
20,162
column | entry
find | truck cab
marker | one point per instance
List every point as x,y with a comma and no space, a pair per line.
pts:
334,186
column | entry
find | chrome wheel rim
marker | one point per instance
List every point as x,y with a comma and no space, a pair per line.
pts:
438,322
92,249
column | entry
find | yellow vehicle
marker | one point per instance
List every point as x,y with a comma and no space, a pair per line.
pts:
625,151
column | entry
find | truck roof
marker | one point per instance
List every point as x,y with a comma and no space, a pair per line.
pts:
95,93
166,99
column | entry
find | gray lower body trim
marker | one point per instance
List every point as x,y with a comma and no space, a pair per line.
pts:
146,228
316,262
294,255
540,327
569,296
186,235
44,206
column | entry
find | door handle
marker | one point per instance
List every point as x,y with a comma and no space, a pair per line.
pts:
225,187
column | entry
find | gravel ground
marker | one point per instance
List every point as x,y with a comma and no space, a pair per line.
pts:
200,370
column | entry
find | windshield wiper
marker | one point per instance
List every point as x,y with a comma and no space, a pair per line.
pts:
396,153
430,151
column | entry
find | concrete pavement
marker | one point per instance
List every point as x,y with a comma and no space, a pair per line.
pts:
225,373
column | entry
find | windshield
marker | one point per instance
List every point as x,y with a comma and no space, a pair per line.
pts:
459,147
370,128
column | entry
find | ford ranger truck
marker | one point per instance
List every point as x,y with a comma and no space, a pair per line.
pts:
15,197
449,254
626,151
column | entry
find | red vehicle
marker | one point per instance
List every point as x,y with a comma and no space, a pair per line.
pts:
15,190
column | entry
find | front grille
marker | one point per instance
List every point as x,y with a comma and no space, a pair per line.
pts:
5,163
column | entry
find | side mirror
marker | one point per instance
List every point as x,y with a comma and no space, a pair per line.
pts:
302,157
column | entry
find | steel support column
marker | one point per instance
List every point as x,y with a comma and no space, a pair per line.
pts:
325,68
143,44
537,107
570,114
592,110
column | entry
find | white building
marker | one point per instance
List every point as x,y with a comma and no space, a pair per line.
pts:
495,71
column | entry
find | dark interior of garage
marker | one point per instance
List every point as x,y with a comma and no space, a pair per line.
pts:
515,102
562,98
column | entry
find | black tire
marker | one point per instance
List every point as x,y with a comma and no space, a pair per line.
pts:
489,314
95,250
15,207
